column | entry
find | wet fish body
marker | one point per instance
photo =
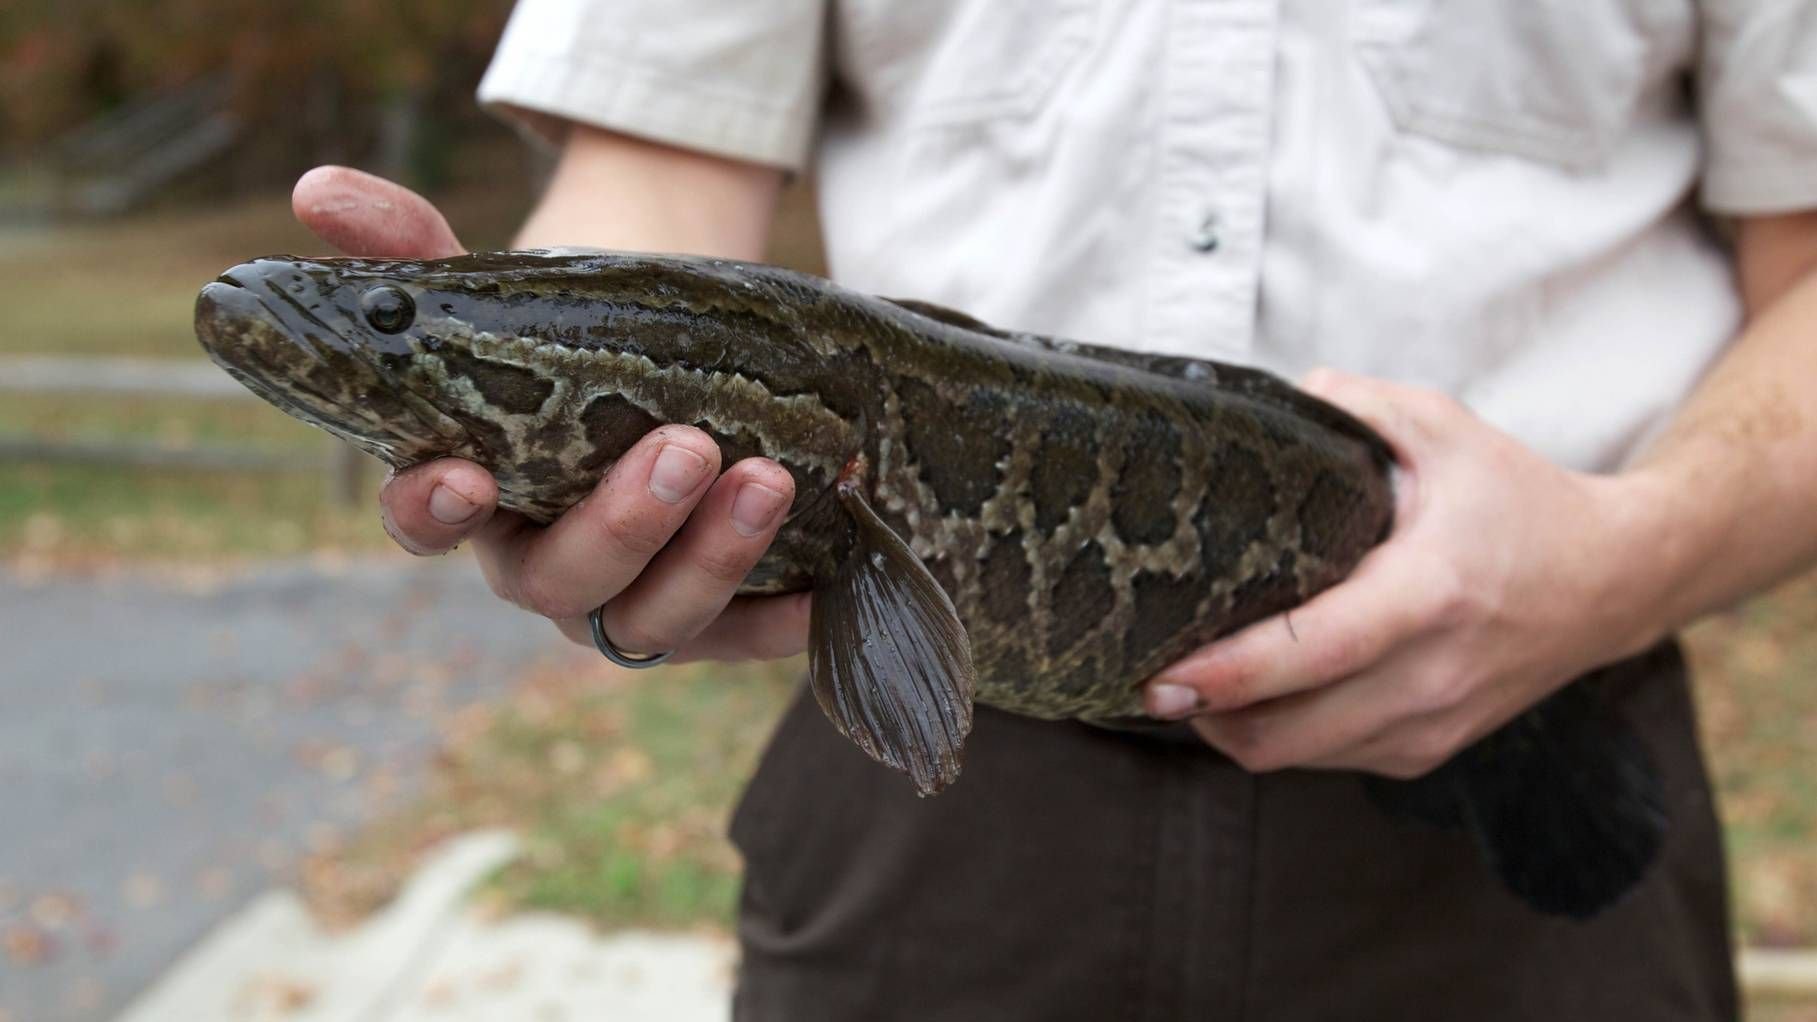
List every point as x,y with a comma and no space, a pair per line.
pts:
1033,524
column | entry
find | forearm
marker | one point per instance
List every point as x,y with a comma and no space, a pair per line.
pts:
614,191
1727,494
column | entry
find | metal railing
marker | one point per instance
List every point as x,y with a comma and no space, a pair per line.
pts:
341,466
121,159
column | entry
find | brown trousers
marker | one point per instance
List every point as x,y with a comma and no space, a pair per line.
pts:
1079,873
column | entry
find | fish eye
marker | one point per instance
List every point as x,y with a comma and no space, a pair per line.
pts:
388,309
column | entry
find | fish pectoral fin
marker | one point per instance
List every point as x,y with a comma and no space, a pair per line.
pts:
888,658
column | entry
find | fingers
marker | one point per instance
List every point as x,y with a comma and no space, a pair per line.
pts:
750,628
755,628
1410,748
1386,671
1394,718
429,508
1392,596
663,546
1379,722
661,542
1415,421
1297,730
598,547
688,584
369,216
1395,593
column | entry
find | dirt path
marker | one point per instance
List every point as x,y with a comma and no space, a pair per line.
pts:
170,746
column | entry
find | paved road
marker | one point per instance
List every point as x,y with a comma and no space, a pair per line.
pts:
169,746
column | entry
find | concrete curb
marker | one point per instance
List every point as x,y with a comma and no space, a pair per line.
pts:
1779,973
543,966
275,927
272,961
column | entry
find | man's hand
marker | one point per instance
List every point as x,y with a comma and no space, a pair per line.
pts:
663,541
1507,576
1502,580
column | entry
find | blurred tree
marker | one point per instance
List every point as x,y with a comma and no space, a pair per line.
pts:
311,74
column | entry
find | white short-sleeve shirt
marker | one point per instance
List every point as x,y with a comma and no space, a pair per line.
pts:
1500,200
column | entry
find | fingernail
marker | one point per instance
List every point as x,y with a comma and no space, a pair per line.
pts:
755,508
676,473
449,507
1169,701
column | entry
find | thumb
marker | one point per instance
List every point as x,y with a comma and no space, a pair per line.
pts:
1405,416
1422,426
364,215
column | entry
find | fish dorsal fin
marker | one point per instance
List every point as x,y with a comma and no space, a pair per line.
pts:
1179,367
1256,384
888,658
951,317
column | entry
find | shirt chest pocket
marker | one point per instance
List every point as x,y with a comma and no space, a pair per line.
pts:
1551,80
958,62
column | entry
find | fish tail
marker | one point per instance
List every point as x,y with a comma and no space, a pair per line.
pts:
1564,803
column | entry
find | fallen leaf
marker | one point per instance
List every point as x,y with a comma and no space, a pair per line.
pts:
26,945
215,882
55,910
567,758
341,763
274,996
100,941
143,890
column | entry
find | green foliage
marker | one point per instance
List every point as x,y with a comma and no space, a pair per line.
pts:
620,782
62,62
85,514
128,287
1754,667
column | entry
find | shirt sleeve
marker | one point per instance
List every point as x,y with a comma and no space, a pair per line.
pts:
1757,93
737,78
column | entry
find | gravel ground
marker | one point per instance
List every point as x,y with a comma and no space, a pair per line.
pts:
171,742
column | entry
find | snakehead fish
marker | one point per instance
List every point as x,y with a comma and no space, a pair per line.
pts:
1034,524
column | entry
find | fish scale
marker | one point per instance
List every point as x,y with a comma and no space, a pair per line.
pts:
982,516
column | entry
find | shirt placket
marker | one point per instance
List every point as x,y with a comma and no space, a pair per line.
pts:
1216,121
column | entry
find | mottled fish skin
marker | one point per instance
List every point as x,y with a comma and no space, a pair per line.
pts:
1094,514
1037,525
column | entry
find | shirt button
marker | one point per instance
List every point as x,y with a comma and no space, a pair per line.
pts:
1205,239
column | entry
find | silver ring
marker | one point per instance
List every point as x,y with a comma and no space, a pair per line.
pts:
616,655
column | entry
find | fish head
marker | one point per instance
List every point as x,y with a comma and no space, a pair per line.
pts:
525,362
333,342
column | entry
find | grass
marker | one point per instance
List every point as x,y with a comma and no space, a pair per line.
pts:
1774,1009
1756,670
127,288
620,781
73,515
64,513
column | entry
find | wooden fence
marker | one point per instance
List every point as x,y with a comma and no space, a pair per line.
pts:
341,466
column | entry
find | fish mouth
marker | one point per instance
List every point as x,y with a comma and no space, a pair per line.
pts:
288,355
